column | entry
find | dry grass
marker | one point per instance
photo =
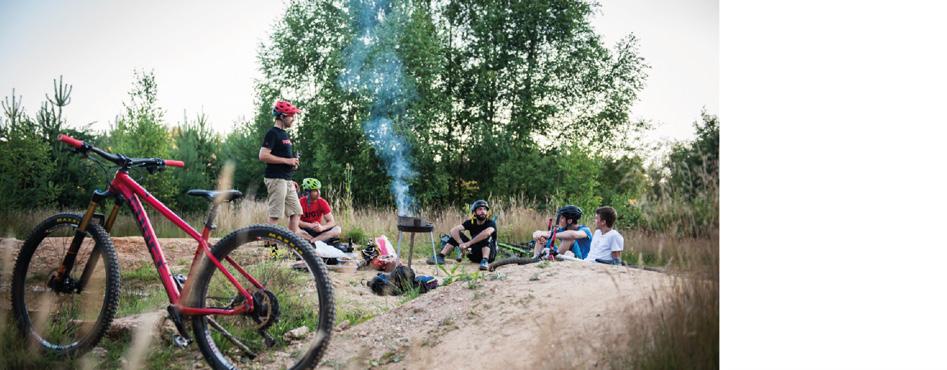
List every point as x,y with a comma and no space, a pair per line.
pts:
682,331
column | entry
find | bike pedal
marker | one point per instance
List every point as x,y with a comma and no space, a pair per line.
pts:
180,341
180,279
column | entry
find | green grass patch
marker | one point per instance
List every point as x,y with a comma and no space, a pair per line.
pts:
143,273
354,316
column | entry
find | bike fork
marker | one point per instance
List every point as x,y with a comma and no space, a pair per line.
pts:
61,280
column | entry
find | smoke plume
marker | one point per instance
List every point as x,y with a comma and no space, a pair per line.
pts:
374,72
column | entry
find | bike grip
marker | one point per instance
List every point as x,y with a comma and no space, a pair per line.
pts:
173,163
69,140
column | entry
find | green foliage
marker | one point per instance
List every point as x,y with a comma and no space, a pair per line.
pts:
25,164
141,132
518,99
196,145
623,183
356,235
694,166
354,316
577,180
242,146
684,195
493,81
452,274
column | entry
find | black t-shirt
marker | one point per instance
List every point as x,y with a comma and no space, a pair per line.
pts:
475,229
277,140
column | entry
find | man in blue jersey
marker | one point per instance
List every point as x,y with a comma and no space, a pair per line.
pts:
575,239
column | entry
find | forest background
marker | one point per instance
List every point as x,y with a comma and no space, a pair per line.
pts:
514,102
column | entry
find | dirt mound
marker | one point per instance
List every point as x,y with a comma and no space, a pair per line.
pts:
513,318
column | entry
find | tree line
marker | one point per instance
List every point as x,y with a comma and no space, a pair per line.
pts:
511,99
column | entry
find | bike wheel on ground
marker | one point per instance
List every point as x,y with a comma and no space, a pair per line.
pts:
68,318
293,315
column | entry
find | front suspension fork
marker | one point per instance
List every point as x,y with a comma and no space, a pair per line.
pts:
61,280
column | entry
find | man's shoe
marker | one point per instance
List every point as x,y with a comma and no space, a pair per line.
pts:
436,260
484,265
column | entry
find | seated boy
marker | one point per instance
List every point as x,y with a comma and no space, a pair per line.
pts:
575,239
607,243
317,223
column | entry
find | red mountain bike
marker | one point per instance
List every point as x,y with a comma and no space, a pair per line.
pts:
66,281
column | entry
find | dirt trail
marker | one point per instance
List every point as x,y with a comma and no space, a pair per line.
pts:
549,315
504,321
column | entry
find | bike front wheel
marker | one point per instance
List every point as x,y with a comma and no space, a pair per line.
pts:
293,313
65,316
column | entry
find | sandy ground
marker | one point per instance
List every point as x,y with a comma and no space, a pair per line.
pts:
513,318
551,315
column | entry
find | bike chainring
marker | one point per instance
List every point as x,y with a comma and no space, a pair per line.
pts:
265,309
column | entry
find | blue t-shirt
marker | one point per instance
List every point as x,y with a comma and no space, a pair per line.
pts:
582,246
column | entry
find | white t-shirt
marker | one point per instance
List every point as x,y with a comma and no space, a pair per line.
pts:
604,244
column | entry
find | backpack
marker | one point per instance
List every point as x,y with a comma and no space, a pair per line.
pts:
400,281
395,283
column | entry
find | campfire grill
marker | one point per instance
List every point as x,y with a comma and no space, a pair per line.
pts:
414,225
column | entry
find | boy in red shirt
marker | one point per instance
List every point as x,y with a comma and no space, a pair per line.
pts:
317,221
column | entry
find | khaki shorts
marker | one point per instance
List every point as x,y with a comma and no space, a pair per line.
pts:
281,200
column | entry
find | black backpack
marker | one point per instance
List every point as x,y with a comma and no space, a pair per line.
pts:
396,283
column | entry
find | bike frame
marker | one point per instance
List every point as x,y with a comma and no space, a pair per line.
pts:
125,189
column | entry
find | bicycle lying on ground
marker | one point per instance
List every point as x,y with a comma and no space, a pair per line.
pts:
66,281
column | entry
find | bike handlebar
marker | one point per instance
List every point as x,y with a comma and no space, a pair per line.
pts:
173,163
119,159
72,142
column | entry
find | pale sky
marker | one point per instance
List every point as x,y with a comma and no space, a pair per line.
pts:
204,55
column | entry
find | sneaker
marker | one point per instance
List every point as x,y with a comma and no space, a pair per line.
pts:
436,260
484,265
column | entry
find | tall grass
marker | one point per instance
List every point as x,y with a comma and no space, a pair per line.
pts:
516,220
682,331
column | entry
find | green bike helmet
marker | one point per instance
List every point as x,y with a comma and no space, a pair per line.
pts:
310,183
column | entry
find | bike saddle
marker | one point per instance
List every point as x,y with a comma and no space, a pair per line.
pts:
221,196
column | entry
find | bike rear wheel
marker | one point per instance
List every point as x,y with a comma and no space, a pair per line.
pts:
295,308
61,318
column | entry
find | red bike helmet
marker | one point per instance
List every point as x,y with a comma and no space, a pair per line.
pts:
284,108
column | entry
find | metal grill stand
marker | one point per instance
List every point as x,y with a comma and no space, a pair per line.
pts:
414,225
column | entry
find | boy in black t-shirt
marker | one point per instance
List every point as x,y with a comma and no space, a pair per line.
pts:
484,231
277,153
